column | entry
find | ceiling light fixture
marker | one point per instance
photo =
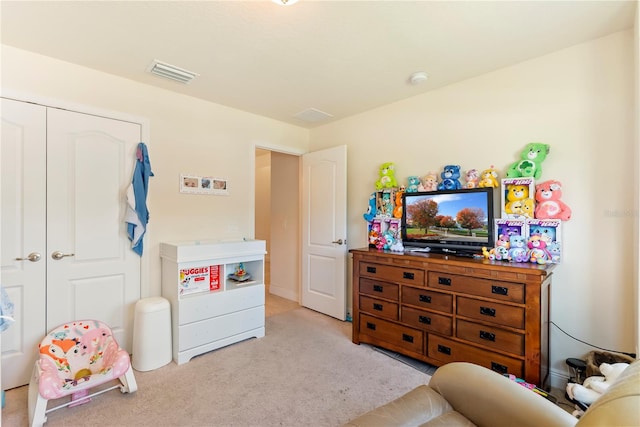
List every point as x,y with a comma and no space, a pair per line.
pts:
418,77
171,72
284,2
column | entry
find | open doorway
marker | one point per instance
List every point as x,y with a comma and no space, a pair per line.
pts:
277,221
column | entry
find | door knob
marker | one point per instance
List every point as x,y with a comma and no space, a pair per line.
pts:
339,241
33,257
57,255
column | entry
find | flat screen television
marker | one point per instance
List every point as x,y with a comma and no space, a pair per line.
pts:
458,222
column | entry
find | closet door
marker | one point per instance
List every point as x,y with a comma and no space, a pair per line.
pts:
23,163
92,273
64,181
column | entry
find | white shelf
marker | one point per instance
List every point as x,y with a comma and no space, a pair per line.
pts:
209,309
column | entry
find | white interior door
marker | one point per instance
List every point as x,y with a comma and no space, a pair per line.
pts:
23,162
64,180
324,231
95,275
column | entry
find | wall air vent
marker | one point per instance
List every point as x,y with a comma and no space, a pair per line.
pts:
171,72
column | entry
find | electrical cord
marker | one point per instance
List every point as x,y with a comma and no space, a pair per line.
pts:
633,355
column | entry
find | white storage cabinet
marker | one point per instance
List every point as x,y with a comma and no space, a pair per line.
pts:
209,310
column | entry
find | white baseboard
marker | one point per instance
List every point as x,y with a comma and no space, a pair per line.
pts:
283,292
558,379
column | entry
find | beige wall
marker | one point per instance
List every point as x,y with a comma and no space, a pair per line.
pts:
285,226
580,101
263,197
187,136
636,39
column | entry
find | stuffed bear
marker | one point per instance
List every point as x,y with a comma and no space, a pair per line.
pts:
538,253
516,195
489,178
517,248
387,176
429,182
472,177
397,210
530,163
548,196
528,208
413,182
371,210
450,178
593,387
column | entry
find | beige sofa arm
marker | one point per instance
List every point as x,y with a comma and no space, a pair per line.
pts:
489,399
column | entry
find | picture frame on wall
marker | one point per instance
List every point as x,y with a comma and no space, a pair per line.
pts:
194,184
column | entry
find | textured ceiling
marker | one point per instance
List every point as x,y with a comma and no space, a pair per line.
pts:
340,57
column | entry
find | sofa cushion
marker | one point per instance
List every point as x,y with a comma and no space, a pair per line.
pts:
417,407
449,419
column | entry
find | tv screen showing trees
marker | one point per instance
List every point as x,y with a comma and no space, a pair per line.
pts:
458,216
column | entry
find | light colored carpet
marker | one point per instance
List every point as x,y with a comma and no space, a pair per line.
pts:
304,372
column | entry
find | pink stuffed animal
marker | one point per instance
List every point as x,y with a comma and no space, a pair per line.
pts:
473,176
429,182
549,205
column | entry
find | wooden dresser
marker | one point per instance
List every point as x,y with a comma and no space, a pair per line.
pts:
442,309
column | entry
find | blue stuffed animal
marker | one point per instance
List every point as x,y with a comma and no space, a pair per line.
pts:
371,210
450,178
518,248
413,182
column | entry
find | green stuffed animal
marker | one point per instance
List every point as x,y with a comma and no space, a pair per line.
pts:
387,176
530,163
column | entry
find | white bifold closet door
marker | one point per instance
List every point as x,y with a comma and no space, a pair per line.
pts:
65,253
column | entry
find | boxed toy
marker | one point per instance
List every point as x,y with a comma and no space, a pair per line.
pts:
547,233
506,227
518,197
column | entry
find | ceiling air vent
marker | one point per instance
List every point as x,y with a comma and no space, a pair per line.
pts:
171,72
312,115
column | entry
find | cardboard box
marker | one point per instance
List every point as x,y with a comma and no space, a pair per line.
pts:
518,198
199,279
550,232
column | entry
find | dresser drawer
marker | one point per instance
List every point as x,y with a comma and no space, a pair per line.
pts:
392,273
503,291
446,351
378,307
493,312
491,337
427,320
379,289
427,299
392,333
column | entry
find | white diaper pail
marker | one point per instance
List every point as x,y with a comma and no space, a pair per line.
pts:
151,334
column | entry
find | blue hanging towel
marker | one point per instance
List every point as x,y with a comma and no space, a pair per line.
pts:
137,216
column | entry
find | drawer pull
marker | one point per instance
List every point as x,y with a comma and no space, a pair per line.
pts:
501,369
407,275
499,290
444,281
487,336
371,269
424,319
425,298
444,349
371,326
378,288
377,306
407,338
486,311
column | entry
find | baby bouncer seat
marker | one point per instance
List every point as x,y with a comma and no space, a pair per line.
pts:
75,357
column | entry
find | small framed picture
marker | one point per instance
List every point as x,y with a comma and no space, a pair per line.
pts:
195,184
